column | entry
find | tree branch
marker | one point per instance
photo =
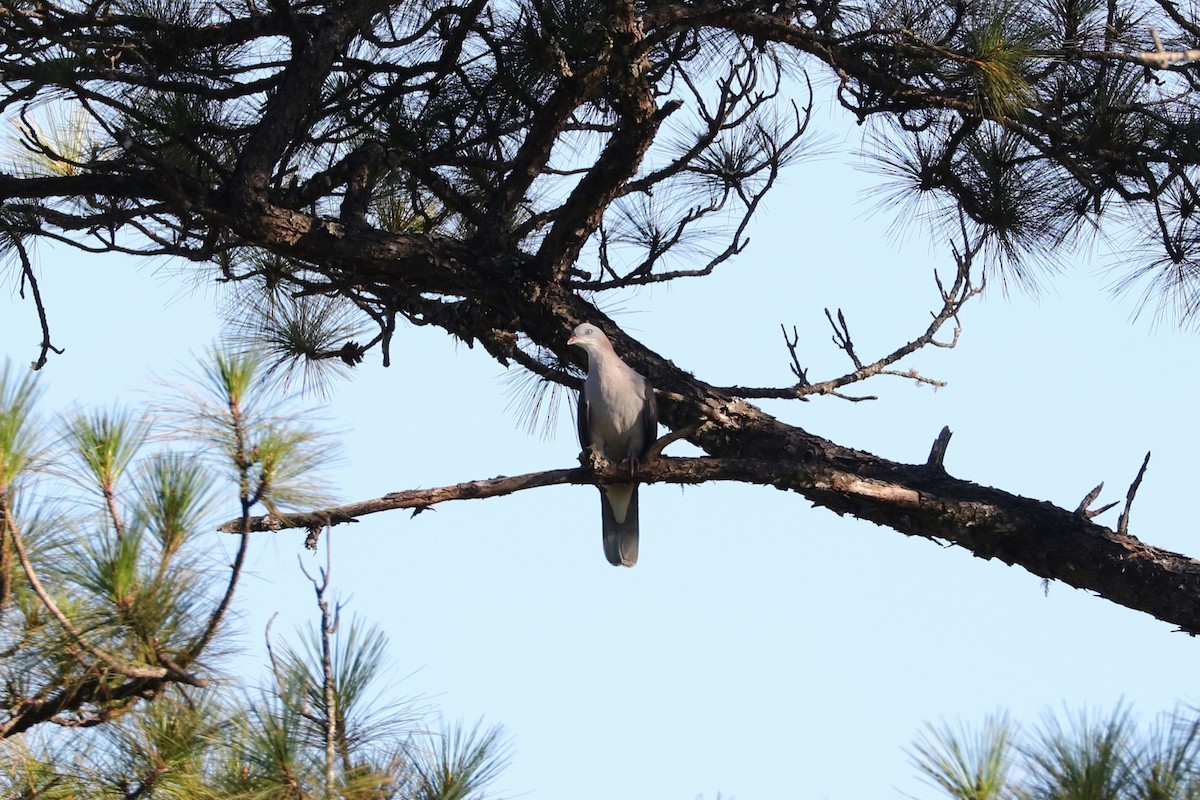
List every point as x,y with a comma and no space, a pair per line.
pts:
1160,58
1123,522
916,499
29,278
953,299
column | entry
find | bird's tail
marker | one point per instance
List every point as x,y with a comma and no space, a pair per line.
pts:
619,507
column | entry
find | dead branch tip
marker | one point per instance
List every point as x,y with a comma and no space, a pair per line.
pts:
792,342
1085,509
1123,522
937,454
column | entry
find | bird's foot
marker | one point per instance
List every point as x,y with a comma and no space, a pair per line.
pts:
592,459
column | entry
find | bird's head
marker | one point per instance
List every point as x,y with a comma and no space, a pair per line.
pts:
589,337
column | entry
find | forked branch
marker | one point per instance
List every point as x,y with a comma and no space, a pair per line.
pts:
1161,58
953,299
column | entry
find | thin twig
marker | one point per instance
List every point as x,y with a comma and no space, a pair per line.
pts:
275,668
841,337
329,626
800,372
28,277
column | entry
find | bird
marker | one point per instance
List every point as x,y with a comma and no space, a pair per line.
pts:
618,420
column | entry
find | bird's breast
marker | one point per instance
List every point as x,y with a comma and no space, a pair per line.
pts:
616,406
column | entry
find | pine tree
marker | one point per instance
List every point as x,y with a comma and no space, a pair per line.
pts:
496,169
116,619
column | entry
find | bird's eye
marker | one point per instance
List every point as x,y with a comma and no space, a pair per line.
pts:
589,331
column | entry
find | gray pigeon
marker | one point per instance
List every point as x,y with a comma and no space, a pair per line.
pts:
617,417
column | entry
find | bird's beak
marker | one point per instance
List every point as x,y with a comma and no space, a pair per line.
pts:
572,341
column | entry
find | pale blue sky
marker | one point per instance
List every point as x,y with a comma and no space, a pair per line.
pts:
761,648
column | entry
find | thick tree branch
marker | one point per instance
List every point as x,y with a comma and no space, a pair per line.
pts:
915,499
316,43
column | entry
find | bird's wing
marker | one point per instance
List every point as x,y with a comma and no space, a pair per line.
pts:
649,418
582,423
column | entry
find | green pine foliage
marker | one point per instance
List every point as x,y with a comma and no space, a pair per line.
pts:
115,624
1083,756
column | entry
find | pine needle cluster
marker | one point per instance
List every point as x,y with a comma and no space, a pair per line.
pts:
1085,756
